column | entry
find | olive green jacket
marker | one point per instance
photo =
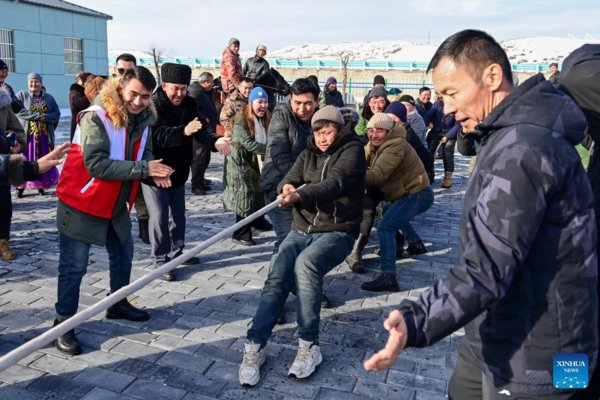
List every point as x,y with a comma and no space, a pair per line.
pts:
96,149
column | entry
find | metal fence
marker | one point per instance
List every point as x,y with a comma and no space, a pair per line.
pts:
325,64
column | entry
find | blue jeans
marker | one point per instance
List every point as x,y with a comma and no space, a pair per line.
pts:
397,216
72,266
302,260
281,218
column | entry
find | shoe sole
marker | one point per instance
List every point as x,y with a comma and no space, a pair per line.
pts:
255,381
314,369
385,289
113,316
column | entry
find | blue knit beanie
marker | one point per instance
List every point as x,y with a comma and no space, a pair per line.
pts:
331,80
258,93
398,109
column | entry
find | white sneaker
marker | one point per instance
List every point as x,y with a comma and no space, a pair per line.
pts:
254,358
307,360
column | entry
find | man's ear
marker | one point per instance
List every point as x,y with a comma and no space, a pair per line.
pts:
493,76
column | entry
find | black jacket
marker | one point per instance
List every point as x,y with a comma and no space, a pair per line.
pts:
423,109
169,142
335,185
205,104
525,286
255,68
285,141
77,102
333,98
422,151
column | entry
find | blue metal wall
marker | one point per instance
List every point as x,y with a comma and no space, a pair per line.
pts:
38,45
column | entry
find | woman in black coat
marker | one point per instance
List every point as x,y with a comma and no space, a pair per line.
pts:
77,99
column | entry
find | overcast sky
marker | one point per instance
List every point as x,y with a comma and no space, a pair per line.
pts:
202,28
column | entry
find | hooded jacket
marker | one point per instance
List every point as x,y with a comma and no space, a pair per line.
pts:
335,185
231,70
95,149
285,141
525,287
394,167
169,142
8,119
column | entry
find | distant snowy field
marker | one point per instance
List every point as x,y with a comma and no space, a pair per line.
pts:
540,50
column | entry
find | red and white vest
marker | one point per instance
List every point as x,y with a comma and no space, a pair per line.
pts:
95,196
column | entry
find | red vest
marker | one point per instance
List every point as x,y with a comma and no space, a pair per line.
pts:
95,196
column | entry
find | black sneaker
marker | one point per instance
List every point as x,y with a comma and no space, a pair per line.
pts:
199,191
262,225
68,343
383,283
414,249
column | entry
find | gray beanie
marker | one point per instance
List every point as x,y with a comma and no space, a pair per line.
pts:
378,91
34,75
382,121
329,113
233,41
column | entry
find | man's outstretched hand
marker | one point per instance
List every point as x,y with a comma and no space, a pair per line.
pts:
387,357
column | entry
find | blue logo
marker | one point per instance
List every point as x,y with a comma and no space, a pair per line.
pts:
570,371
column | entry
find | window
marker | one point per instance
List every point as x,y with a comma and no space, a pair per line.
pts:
73,56
7,53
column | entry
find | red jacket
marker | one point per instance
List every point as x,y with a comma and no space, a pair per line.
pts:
231,70
90,195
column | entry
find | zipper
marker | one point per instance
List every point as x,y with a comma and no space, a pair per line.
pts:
317,204
87,185
335,212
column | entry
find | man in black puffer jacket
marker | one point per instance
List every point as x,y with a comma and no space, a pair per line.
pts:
289,130
525,286
327,215
176,124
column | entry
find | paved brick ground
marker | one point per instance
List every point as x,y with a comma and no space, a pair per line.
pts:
191,348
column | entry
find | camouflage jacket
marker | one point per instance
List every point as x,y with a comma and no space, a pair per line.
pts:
525,283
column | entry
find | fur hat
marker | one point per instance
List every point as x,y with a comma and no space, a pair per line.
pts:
350,115
176,73
398,109
381,121
328,113
233,41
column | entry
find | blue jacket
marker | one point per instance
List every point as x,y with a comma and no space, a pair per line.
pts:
26,115
445,124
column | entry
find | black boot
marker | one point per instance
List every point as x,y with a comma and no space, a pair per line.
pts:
354,260
383,283
400,240
20,193
325,303
281,319
414,249
124,310
144,234
262,224
67,343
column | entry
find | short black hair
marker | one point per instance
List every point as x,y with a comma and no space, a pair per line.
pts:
127,57
322,123
142,74
304,85
474,50
245,79
424,89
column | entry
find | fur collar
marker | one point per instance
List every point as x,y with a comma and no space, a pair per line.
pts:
5,99
113,104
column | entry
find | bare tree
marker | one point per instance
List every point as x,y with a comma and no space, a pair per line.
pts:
344,58
157,53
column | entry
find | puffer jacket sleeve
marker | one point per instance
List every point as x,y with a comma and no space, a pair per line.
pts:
465,144
348,169
495,251
280,146
242,138
95,146
361,128
295,176
387,162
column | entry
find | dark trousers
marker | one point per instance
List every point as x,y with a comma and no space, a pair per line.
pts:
469,383
72,266
245,232
5,211
167,221
199,163
140,205
447,152
372,198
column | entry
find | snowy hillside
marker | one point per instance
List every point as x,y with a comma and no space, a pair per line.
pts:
539,50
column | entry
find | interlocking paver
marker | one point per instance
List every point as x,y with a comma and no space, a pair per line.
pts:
191,348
